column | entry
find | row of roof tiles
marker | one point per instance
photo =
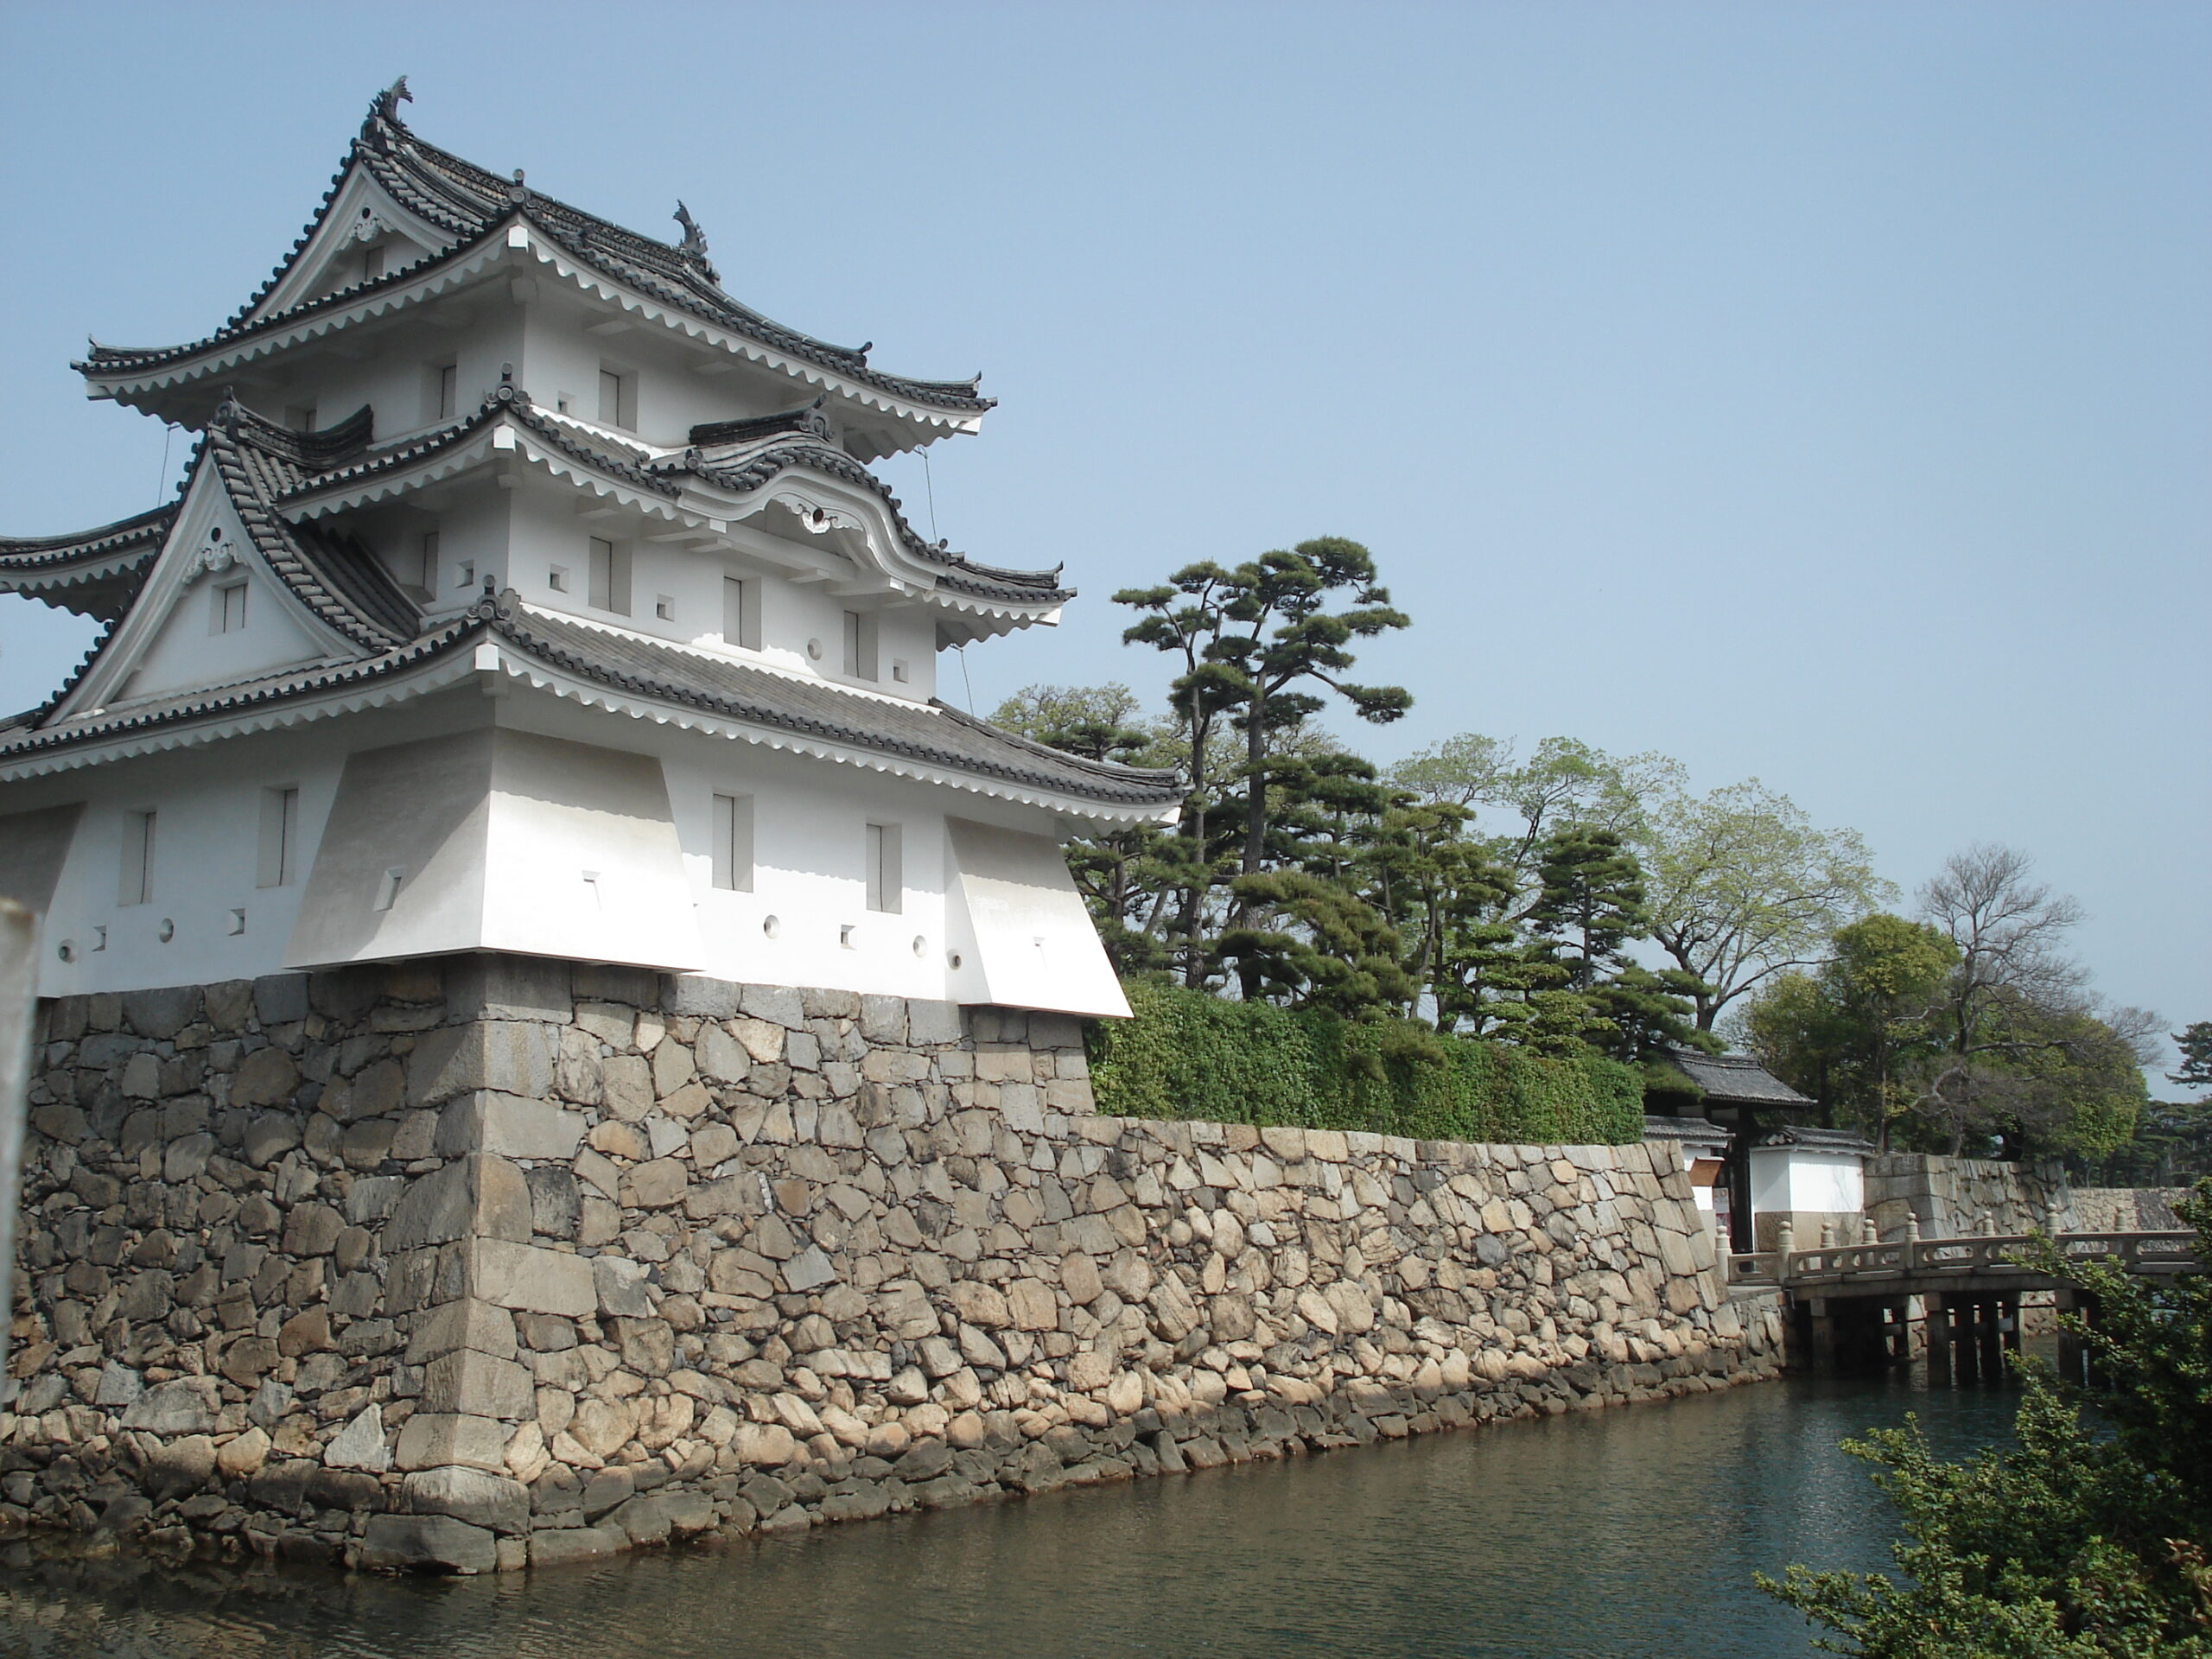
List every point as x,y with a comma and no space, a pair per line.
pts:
472,205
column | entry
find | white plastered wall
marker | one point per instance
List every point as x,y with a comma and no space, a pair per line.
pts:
503,867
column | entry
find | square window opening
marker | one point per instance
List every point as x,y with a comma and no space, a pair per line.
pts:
665,608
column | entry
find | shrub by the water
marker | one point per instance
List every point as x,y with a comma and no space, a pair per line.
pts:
2092,1538
1182,1054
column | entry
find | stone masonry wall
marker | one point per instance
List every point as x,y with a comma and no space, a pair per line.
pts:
2126,1209
495,1262
1960,1197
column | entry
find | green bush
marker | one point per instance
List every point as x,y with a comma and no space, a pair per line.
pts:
1182,1054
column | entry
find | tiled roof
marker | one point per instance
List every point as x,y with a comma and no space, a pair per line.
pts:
470,204
1735,1079
784,441
338,580
931,734
140,533
743,455
95,572
335,576
1816,1139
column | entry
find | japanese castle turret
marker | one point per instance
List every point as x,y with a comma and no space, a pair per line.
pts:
526,592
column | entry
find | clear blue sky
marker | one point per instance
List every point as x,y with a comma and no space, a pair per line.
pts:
1815,392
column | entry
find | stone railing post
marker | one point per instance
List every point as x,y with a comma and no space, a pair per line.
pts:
18,999
1785,1241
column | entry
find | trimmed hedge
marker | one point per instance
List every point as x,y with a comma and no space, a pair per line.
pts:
1184,1054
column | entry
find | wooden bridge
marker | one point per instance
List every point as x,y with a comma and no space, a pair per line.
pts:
1851,1307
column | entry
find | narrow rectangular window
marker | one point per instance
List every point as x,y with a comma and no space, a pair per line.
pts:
733,848
227,615
448,391
618,400
860,644
301,417
885,879
373,263
137,858
280,838
427,567
610,577
741,613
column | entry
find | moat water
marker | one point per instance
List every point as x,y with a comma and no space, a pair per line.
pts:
1629,1533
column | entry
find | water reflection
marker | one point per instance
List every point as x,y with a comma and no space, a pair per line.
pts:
1620,1534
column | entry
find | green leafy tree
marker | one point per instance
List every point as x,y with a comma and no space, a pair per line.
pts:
2092,1538
1742,886
2030,1059
2195,1041
1589,902
1259,643
1859,1034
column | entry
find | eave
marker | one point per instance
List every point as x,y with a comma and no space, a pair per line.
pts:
492,640
525,251
94,573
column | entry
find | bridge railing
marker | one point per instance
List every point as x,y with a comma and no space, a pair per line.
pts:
1936,1258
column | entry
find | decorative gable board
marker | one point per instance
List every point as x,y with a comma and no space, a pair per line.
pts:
178,635
362,214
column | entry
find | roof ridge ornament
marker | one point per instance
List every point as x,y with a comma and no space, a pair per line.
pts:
384,109
693,248
518,192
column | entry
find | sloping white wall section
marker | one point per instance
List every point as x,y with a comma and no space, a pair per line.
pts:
499,840
1020,927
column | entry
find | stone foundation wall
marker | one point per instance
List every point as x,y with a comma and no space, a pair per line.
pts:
494,1262
1961,1198
2126,1209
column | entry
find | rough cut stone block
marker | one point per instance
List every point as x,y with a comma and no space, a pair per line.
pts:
184,1406
564,1546
371,1198
467,1323
427,1441
508,987
466,1382
781,1005
526,1279
512,1056
809,1270
618,1288
654,1185
472,1196
932,1022
360,1445
426,1543
479,1498
508,1126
